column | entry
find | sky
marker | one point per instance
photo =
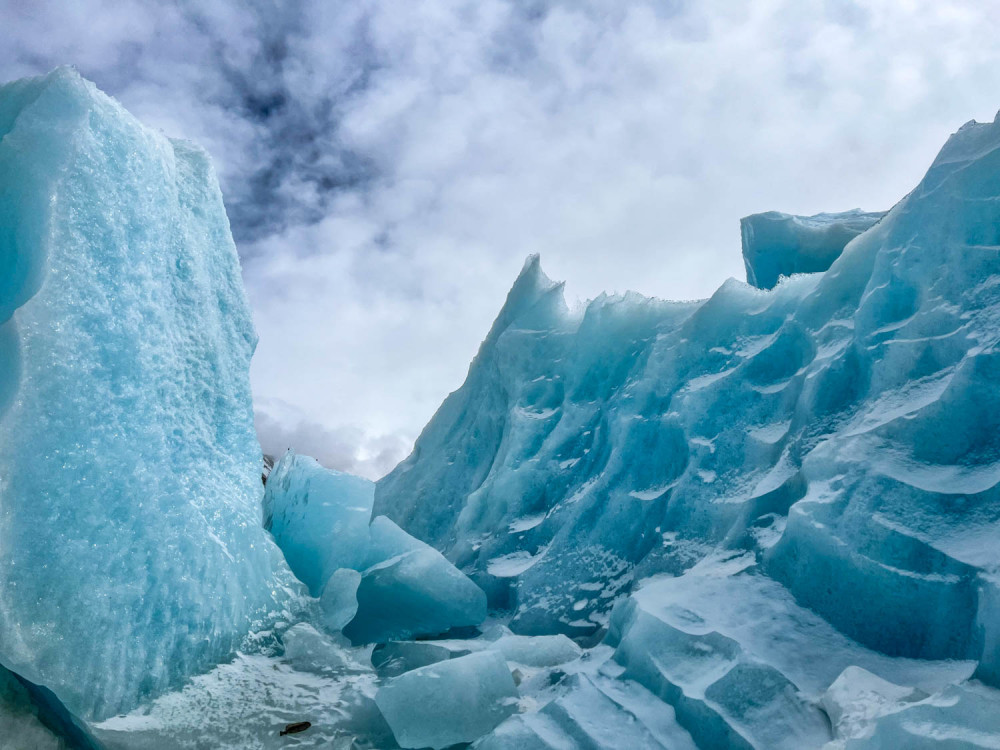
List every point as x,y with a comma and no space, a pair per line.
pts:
387,166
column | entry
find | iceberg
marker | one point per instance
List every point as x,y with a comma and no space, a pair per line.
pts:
130,537
449,702
777,244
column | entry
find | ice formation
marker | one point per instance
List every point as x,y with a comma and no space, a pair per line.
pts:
770,486
453,701
319,517
777,244
767,520
130,537
375,582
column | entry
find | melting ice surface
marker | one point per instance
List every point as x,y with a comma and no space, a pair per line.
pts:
766,520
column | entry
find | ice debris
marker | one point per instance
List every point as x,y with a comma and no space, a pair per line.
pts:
449,702
130,538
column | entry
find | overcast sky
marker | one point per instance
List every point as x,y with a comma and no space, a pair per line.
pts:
387,166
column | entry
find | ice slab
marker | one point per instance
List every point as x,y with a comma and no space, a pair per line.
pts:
130,538
962,717
412,591
537,651
589,715
857,698
319,517
453,701
777,244
396,657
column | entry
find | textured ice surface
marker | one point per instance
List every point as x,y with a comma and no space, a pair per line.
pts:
962,717
777,244
319,517
411,591
130,537
593,714
449,702
776,486
841,427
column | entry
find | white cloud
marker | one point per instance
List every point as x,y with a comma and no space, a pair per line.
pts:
398,161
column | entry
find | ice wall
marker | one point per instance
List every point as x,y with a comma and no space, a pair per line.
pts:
777,244
842,429
131,546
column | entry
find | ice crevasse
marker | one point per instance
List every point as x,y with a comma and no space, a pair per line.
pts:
131,548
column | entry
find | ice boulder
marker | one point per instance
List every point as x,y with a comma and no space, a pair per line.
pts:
409,590
375,581
777,244
396,657
131,547
319,517
449,702
537,651
308,650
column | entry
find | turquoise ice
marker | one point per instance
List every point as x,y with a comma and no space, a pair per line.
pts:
840,431
319,517
130,538
777,244
375,582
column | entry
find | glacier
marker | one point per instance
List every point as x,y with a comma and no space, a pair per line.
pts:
131,543
748,496
767,520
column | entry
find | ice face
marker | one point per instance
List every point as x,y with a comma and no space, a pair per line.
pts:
777,244
841,428
130,537
319,517
449,702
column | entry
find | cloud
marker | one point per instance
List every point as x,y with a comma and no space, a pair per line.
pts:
387,167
